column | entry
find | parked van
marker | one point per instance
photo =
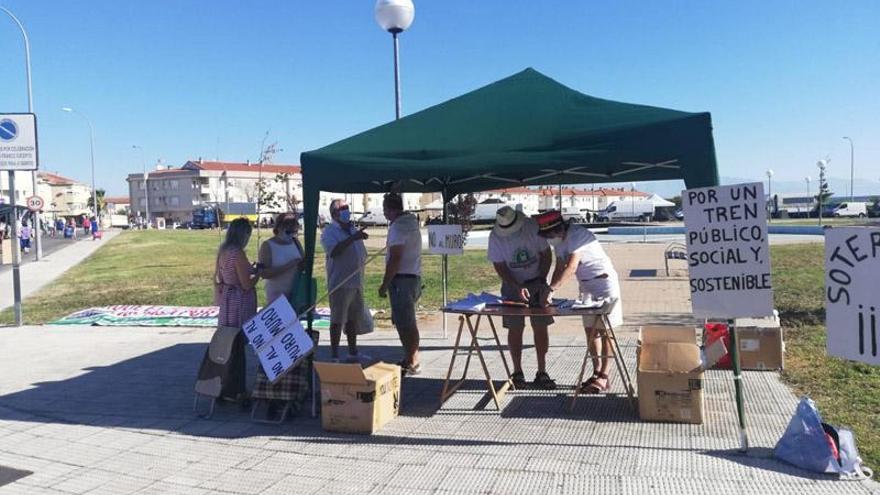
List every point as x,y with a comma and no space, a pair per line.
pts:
640,209
850,210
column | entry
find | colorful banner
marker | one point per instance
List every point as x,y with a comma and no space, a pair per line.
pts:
161,316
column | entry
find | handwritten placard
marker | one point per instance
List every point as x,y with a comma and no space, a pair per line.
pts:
852,304
445,239
278,338
728,251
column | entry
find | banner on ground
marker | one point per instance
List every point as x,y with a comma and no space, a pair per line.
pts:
278,338
728,251
445,239
160,316
852,306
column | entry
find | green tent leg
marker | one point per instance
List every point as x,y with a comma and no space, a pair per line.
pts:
737,383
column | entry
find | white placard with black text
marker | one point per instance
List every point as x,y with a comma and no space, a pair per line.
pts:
852,300
445,239
728,251
278,338
18,142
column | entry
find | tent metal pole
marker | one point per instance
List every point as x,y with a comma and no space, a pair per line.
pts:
738,386
444,268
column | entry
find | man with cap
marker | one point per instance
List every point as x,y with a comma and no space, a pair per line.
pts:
578,253
402,282
522,259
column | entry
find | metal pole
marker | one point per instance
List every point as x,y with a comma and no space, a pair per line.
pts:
444,267
396,77
738,386
16,256
92,157
27,68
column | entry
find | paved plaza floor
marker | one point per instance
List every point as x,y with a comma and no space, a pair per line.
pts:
109,410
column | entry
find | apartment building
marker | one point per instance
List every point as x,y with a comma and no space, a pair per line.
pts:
174,192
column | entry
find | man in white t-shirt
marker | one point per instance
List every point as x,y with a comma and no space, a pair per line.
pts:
522,259
402,282
345,255
579,253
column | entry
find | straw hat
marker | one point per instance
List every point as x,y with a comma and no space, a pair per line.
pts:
507,221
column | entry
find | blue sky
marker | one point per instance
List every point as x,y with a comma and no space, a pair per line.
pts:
784,80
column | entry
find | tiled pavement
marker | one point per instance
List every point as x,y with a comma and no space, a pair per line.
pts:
108,410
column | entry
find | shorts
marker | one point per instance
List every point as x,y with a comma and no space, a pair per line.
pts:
404,293
513,294
24,243
607,287
347,307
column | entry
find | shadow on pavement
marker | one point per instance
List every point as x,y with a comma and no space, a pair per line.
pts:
762,458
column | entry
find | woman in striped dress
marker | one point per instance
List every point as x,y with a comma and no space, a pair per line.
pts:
235,281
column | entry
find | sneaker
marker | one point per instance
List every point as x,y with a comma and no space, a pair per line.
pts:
519,380
543,381
358,359
412,370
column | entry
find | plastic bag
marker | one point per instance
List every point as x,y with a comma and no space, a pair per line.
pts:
367,324
810,444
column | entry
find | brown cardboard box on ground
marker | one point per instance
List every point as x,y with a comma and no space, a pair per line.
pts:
670,375
760,343
358,400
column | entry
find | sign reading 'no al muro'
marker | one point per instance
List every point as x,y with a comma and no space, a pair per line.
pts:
728,251
852,301
278,338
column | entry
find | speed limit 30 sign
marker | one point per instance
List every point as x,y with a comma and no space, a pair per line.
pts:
35,203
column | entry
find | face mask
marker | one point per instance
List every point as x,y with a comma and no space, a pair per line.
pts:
554,241
345,216
286,235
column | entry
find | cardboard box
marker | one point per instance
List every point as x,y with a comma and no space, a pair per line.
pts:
358,400
670,375
760,344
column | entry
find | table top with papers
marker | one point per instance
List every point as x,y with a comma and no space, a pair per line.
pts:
502,309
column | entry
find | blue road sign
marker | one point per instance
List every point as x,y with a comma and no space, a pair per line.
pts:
8,130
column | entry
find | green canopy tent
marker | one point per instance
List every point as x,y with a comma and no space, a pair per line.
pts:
526,129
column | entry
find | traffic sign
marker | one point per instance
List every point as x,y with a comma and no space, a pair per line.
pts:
18,141
35,203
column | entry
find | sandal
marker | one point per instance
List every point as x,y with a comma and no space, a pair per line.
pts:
519,380
543,381
592,386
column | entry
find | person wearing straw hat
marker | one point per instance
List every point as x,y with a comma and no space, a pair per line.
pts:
578,253
522,259
345,254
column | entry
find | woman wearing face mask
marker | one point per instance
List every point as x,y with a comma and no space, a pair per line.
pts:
281,258
579,253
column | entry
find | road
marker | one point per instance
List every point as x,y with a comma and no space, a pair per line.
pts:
50,245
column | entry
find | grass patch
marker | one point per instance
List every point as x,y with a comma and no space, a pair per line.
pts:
847,393
175,268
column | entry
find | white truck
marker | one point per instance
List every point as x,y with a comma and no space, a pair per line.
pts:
850,209
640,209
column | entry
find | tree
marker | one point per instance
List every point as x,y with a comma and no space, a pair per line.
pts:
461,211
102,205
676,200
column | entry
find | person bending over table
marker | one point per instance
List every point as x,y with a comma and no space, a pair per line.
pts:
579,253
522,260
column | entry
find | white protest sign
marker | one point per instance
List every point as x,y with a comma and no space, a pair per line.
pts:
445,239
728,251
18,141
278,338
852,269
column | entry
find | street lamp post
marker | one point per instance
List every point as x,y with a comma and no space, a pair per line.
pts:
27,68
92,155
146,187
770,193
851,167
395,16
809,198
